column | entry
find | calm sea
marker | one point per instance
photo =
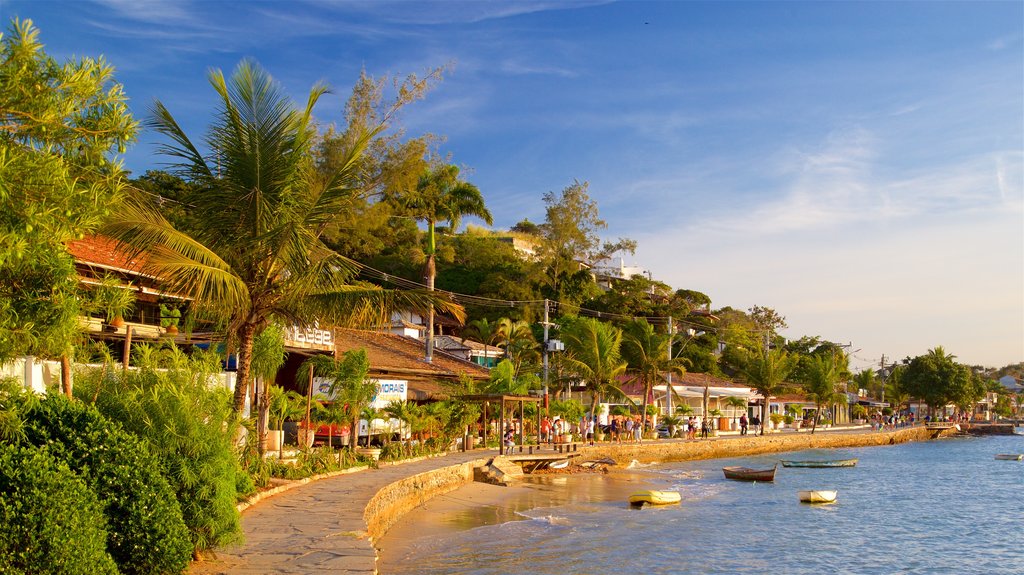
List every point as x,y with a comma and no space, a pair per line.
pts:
932,507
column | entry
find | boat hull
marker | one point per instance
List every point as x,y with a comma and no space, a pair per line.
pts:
820,464
1010,456
817,496
654,497
748,474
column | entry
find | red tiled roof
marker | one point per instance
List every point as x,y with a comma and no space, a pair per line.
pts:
395,354
103,251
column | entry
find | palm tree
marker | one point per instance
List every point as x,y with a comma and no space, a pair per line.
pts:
516,337
488,333
765,371
736,403
349,385
820,377
592,353
646,353
253,251
442,196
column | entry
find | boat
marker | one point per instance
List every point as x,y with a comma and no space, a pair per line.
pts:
1010,456
559,464
817,496
654,497
748,474
819,463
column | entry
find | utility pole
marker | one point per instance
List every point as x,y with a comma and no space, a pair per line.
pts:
668,397
882,363
545,356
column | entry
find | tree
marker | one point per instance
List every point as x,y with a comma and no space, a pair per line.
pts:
255,252
647,355
516,338
488,333
570,236
268,355
937,379
349,384
60,126
820,375
441,196
593,354
765,371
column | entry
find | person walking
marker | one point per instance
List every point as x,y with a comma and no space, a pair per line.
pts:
743,424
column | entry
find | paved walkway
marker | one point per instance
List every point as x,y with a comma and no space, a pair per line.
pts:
318,527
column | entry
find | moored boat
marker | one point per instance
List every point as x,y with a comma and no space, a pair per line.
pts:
1010,456
654,497
559,464
817,496
819,463
748,474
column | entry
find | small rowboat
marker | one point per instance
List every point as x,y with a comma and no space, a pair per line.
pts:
559,464
654,497
817,496
1010,456
748,474
820,463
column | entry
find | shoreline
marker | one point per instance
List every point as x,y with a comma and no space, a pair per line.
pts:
474,505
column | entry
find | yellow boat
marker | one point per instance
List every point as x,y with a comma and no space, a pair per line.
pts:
653,497
817,496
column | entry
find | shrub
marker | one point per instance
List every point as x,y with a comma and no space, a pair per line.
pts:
190,429
146,533
52,522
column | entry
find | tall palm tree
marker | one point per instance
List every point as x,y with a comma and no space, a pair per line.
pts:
736,403
349,384
442,196
254,252
593,354
646,353
765,371
820,377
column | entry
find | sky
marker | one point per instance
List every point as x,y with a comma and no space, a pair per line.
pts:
857,166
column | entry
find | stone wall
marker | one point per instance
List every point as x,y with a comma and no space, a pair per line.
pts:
400,497
662,451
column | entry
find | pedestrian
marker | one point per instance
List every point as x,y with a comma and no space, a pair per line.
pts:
613,428
638,431
590,430
743,424
705,427
755,422
629,428
545,430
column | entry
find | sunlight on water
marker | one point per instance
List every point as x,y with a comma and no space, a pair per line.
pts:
932,507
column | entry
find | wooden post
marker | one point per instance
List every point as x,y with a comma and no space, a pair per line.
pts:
309,403
127,347
501,432
487,423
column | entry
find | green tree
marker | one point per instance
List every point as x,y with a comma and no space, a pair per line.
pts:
488,333
939,380
349,383
255,254
593,354
62,125
268,356
766,371
647,355
440,196
819,377
519,343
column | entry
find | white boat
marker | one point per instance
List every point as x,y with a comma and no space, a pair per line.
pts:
817,496
1010,456
559,464
654,497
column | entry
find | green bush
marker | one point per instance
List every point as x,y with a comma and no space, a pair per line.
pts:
190,429
146,533
52,522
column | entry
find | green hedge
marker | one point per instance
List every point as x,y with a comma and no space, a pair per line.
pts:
51,521
146,533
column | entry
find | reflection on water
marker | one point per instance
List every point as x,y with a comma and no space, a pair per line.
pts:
930,507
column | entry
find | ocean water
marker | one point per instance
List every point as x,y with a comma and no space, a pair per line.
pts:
931,507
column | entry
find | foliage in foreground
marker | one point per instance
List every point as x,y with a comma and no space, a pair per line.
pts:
189,427
146,533
52,522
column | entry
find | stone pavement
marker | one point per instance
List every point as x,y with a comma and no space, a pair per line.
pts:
317,527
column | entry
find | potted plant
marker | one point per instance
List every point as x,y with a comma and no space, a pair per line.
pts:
789,420
723,422
114,299
777,418
169,318
673,422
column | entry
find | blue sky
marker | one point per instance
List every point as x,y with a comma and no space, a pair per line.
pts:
855,165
